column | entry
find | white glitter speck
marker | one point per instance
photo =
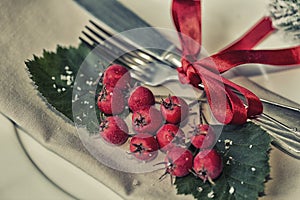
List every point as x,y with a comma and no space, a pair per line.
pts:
227,143
54,86
242,182
253,169
199,189
231,190
211,194
67,68
63,89
135,182
67,78
250,147
91,106
59,90
63,77
81,75
79,88
53,78
89,83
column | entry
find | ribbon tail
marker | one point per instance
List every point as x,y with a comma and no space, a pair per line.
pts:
228,60
252,103
253,36
225,105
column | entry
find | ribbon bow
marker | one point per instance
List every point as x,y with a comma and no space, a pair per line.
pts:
227,107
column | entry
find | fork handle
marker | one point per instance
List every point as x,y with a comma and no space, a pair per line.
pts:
173,56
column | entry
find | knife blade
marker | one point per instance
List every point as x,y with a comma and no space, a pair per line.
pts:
120,19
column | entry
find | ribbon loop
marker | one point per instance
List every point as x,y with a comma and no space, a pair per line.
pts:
187,19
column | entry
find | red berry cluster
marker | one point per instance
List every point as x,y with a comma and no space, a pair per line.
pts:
155,129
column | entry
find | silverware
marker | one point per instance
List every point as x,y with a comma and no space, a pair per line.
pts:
155,69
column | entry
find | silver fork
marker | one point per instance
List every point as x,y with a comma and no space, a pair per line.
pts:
141,61
154,70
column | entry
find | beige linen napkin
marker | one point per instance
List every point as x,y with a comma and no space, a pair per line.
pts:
28,27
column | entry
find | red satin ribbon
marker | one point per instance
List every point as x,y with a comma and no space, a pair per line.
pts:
225,104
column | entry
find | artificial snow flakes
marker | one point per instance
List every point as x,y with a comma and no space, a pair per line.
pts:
231,190
227,143
199,189
211,194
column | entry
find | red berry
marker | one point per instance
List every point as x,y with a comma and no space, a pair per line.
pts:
114,130
203,136
179,162
174,109
168,136
116,76
147,120
144,146
140,98
208,165
111,101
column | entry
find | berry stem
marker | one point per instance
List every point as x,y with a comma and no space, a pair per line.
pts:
197,101
157,102
164,97
171,179
200,112
162,177
204,118
211,181
102,117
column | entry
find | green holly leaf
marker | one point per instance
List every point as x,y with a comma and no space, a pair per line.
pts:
69,78
53,74
244,150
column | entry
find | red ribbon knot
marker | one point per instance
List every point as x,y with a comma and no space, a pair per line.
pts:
229,102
